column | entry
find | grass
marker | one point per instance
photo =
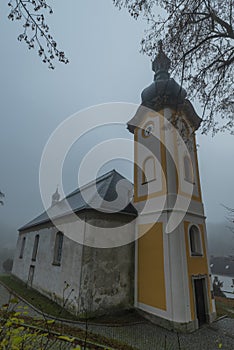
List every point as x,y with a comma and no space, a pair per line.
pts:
224,306
47,306
35,298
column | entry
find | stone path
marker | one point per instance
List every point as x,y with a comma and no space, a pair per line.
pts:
146,336
150,337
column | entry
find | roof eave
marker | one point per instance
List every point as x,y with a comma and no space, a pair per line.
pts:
27,228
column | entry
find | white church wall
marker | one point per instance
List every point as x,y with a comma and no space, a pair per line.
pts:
51,279
180,303
48,278
102,279
108,268
21,265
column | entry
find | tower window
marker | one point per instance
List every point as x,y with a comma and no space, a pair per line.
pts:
195,241
22,248
58,247
188,170
35,248
148,129
149,170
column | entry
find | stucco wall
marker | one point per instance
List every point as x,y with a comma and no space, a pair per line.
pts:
107,279
102,279
50,279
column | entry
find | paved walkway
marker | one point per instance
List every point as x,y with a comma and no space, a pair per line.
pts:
150,337
146,336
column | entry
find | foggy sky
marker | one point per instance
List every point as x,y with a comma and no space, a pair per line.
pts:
105,65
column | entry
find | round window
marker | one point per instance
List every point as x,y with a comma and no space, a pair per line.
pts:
148,129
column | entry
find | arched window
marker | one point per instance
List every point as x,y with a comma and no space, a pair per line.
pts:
22,247
35,247
149,170
58,247
195,241
188,169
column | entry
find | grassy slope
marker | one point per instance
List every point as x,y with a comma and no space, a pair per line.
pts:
224,306
35,298
47,306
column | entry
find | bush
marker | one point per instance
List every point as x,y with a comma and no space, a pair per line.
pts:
7,265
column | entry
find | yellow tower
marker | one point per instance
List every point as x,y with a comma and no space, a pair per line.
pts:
172,278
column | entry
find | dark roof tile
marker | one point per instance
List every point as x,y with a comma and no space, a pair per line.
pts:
100,194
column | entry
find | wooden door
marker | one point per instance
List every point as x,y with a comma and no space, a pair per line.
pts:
199,287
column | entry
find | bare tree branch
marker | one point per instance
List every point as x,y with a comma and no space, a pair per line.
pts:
197,35
198,38
36,31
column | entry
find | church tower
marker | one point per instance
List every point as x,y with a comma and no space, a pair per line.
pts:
172,279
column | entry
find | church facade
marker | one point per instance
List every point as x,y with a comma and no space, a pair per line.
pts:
89,280
164,271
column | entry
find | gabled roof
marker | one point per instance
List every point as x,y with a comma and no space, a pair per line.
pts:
99,194
222,265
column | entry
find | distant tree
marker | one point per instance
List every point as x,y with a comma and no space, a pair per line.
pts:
217,285
1,196
230,217
197,36
7,265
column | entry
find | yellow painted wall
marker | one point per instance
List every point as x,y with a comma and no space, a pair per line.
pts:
163,191
151,279
195,165
196,266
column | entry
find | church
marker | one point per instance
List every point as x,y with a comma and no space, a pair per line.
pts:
161,268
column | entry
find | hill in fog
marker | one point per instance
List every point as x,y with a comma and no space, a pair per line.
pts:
220,239
8,238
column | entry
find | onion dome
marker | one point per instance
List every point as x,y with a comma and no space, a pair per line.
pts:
164,91
55,197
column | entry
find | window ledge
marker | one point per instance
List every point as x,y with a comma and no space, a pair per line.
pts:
56,263
197,254
146,182
190,181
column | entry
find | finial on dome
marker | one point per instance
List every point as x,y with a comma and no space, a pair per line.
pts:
160,46
55,197
161,64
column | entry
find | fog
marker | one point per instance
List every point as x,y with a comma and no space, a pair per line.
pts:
105,65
